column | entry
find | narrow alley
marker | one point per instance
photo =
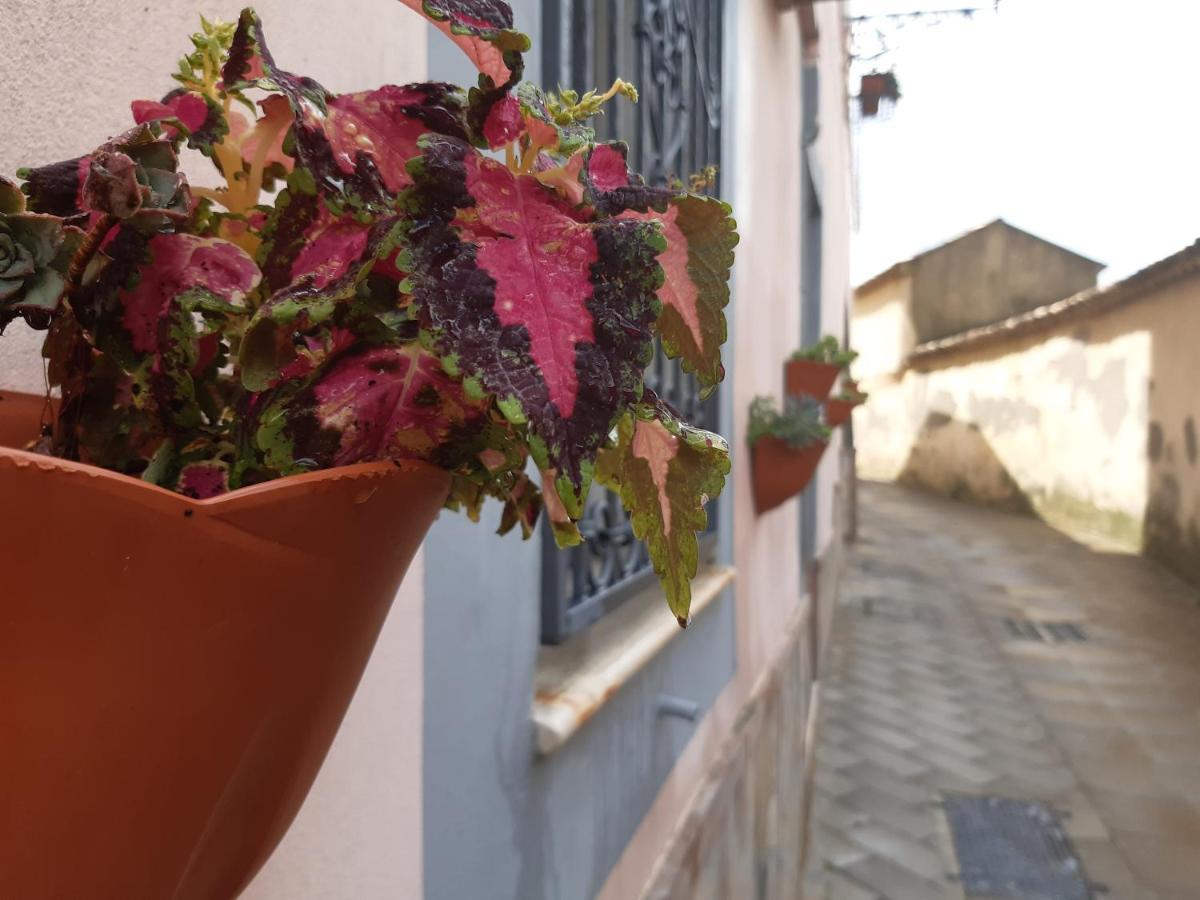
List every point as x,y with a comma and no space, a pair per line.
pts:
981,653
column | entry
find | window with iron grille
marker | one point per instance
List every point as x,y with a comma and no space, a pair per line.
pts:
671,50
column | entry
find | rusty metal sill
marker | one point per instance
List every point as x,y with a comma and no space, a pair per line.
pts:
576,678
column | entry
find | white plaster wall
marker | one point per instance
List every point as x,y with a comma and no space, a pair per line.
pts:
358,835
69,71
881,329
1063,415
833,151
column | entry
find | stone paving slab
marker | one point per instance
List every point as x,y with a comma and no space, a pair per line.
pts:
926,690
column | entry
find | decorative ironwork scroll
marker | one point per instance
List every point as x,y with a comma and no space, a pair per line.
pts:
672,51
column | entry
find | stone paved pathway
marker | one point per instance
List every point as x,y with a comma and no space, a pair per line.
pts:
927,690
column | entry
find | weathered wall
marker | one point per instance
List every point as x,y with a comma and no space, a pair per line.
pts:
743,837
831,153
988,275
69,71
1171,532
1090,422
1058,422
882,330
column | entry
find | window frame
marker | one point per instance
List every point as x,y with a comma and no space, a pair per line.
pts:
674,130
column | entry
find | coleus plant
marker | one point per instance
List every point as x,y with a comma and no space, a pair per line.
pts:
827,350
799,424
372,282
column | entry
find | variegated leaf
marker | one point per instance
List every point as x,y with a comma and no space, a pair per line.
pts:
372,403
664,471
700,236
533,302
484,31
354,144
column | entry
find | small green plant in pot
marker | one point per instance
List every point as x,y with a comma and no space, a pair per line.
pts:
827,350
399,297
786,445
812,371
839,407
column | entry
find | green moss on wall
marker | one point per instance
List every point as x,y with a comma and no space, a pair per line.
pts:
1084,519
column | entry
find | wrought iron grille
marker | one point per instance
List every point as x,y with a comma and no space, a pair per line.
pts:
671,49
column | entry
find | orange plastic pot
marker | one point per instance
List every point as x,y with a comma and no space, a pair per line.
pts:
780,472
805,376
837,412
173,671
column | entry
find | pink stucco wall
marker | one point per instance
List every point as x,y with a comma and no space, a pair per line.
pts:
832,149
69,71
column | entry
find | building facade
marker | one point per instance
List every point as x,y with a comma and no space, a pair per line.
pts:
1081,411
982,276
531,725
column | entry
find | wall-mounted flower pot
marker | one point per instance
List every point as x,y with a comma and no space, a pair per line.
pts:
806,376
780,472
837,412
875,87
173,671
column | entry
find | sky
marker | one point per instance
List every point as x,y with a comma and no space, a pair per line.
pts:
1077,120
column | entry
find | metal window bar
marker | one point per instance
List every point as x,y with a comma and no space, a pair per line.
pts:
671,49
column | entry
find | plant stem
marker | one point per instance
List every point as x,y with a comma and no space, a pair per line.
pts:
79,262
65,440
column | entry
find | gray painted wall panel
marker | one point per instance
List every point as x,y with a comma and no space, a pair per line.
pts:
500,822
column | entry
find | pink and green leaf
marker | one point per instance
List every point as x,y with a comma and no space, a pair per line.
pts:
384,125
353,144
612,188
203,480
696,264
547,311
483,29
333,255
700,237
664,472
370,404
202,119
543,131
189,342
178,263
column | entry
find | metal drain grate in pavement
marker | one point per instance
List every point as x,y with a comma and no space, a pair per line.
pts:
1048,632
1013,850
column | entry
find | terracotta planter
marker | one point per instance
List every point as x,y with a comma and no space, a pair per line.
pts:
20,418
781,472
837,412
805,376
172,671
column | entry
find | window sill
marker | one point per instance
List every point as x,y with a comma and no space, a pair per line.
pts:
575,679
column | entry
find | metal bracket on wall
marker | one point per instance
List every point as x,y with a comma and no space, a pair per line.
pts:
678,707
